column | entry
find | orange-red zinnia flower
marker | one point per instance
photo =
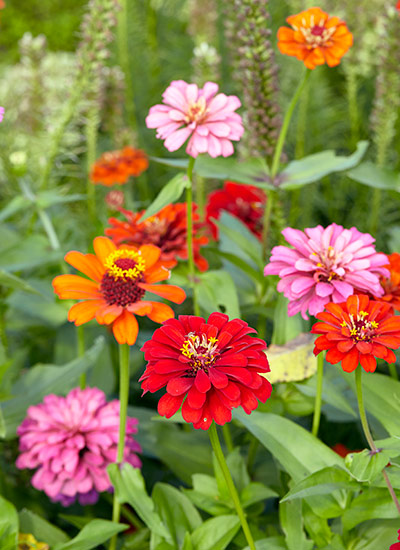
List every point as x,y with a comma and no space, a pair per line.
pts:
118,280
357,331
118,166
391,285
167,230
315,38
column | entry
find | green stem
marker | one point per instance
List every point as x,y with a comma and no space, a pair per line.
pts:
368,435
376,206
226,432
81,351
267,222
91,144
200,197
318,395
393,371
123,410
189,235
216,445
353,104
123,58
253,447
285,124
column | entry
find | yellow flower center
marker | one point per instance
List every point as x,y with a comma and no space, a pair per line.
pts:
200,350
125,264
196,111
315,33
360,329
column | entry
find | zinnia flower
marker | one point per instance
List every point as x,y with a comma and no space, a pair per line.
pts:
396,545
245,202
208,118
118,280
1,110
115,199
70,441
28,541
342,450
326,265
357,331
391,285
316,38
167,229
118,166
209,367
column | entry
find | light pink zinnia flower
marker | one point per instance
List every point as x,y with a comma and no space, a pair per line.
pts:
208,119
1,113
326,265
71,440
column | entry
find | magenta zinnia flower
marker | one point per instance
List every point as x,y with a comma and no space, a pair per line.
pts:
208,119
71,440
326,265
1,113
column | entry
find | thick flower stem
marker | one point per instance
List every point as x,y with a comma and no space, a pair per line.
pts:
81,350
227,437
393,371
123,411
318,395
367,433
216,445
189,235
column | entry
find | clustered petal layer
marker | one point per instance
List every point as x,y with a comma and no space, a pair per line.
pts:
113,293
207,118
245,202
167,230
315,38
118,166
391,285
326,265
356,332
70,441
396,545
208,368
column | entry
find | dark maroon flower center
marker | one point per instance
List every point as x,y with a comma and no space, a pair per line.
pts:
120,283
361,330
201,351
317,30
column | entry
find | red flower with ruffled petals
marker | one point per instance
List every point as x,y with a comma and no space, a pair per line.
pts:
396,545
167,229
357,331
208,368
245,202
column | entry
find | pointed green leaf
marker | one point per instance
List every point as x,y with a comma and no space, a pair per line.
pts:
92,535
8,525
16,283
215,533
366,465
372,503
170,193
290,514
375,176
42,530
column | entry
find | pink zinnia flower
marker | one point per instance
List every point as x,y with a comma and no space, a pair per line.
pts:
326,265
208,119
1,113
71,440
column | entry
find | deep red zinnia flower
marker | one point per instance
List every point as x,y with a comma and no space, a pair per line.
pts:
167,230
210,367
396,545
357,331
245,202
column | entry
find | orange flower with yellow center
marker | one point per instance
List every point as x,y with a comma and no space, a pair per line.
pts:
315,38
118,280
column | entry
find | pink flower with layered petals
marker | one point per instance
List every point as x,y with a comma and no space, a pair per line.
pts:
326,265
207,118
1,111
70,441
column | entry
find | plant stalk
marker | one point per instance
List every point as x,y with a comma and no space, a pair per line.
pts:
189,234
216,445
318,395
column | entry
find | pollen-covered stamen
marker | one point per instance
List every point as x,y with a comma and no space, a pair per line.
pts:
328,265
201,351
360,328
119,284
316,34
196,111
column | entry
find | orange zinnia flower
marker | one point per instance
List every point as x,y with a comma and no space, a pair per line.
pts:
118,280
391,286
167,229
118,166
316,38
357,331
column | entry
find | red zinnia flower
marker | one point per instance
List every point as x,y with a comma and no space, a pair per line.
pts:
391,285
396,545
118,279
342,450
211,367
118,166
167,229
246,202
357,331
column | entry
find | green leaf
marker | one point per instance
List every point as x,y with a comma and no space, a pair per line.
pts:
92,535
271,543
317,528
375,176
322,482
45,199
176,511
129,487
28,253
314,167
41,529
15,205
217,291
241,237
215,533
372,503
171,192
16,283
285,328
255,492
8,525
205,495
291,519
42,380
374,535
365,465
255,275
